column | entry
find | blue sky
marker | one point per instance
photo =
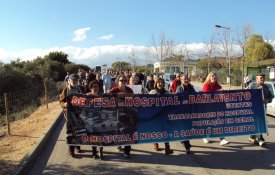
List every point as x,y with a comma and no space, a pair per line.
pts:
101,31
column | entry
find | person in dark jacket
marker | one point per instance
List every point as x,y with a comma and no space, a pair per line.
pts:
100,82
150,83
160,90
185,87
72,87
94,91
267,98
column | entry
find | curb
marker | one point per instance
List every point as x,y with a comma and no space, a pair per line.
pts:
27,162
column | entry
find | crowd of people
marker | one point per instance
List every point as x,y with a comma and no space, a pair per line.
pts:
92,83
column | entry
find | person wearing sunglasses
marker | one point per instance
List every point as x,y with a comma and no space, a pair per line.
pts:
123,89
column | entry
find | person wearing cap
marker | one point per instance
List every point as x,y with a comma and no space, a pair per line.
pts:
150,84
185,87
211,84
175,83
267,98
72,87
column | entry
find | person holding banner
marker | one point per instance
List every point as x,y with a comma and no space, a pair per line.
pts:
185,87
211,84
160,90
94,87
123,89
72,87
267,98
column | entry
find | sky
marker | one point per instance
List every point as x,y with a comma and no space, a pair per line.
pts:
96,32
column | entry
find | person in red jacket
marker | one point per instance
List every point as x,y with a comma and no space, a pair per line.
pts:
211,84
175,83
123,89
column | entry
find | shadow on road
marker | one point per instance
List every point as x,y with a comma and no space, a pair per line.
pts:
48,149
229,157
239,155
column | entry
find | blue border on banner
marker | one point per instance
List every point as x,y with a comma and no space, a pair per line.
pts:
110,120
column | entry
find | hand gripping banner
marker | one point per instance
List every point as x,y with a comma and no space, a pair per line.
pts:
119,119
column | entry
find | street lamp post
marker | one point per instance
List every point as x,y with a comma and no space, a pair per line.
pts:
228,57
218,26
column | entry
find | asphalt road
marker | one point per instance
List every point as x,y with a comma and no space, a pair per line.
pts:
239,157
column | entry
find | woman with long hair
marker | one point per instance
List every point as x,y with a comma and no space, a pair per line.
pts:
70,88
94,90
160,90
211,84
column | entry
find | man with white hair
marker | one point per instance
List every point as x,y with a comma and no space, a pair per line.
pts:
267,98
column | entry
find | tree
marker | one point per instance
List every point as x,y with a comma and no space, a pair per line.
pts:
257,49
83,67
1,64
225,41
53,70
133,59
121,66
58,56
71,68
209,47
214,63
242,37
14,80
160,48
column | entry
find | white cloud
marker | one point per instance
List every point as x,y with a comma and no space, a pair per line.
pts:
91,56
272,42
107,37
96,55
80,34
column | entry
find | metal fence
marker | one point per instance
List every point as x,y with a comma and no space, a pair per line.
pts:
13,106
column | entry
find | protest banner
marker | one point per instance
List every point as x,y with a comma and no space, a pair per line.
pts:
119,119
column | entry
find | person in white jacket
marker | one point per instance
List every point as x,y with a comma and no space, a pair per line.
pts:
107,81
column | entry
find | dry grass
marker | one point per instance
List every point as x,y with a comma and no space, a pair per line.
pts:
24,135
